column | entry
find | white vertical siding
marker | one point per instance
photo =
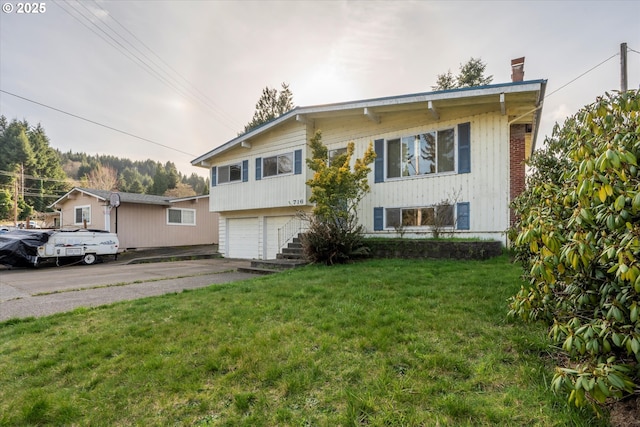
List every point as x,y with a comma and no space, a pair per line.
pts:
485,188
269,192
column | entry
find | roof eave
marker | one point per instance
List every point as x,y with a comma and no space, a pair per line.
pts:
471,92
81,190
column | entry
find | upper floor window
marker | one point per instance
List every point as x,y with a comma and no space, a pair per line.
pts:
335,153
281,164
426,153
178,216
230,173
277,165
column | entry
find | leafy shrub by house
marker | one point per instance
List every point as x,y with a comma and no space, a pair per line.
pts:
334,235
578,238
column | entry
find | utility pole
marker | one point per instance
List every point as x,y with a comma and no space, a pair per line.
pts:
623,67
22,180
15,203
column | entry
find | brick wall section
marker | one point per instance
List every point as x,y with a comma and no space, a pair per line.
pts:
516,163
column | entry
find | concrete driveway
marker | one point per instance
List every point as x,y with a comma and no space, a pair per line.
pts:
49,290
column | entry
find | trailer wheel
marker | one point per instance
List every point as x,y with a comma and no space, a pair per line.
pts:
89,259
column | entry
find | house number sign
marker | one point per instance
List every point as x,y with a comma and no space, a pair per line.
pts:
296,202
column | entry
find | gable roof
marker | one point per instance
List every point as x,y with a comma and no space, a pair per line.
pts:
437,99
144,199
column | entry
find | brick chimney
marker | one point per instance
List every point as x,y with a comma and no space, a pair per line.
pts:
517,69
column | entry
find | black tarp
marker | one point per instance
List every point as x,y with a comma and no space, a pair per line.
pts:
19,248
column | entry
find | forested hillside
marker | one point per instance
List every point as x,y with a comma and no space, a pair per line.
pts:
39,174
148,176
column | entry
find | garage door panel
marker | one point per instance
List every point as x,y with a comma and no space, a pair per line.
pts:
272,224
243,241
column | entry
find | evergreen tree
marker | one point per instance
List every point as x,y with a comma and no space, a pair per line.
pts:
271,105
471,74
25,156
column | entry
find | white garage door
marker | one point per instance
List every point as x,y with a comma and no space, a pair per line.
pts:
242,238
271,226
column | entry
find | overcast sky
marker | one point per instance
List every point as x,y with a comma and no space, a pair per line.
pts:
187,74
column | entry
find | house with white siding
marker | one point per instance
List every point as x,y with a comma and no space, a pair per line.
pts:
454,156
139,220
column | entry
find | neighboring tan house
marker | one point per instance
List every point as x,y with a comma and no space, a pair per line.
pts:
141,220
466,145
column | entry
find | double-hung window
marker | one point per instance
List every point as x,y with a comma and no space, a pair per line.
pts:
422,154
230,173
176,216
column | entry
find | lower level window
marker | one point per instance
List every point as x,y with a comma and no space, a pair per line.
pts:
181,216
440,216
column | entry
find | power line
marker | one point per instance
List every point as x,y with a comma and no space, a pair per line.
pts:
204,98
130,55
17,174
581,75
144,62
563,86
98,123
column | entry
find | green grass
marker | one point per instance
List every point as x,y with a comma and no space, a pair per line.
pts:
378,343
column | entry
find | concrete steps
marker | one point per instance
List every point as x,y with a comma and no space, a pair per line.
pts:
291,257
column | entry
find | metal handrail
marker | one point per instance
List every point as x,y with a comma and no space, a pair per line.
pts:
290,230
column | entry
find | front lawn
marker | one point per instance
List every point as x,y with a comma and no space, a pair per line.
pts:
378,343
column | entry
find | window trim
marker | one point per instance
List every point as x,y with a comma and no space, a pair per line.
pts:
75,216
291,155
181,210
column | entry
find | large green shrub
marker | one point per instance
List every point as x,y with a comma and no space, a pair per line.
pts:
578,237
335,235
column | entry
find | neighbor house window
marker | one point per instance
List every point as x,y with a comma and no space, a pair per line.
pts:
230,173
422,154
440,216
177,216
281,164
82,214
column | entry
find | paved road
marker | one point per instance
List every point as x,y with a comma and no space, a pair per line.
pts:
49,290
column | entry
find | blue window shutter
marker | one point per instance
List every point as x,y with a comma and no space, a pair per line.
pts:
297,162
378,219
245,170
462,222
379,162
464,148
214,176
258,168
